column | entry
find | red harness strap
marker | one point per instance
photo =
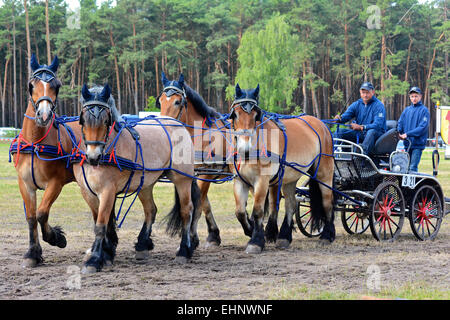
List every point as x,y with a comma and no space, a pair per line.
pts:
20,138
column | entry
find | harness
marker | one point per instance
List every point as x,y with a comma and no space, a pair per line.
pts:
249,105
37,149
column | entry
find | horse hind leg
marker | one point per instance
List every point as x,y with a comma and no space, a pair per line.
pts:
197,212
145,243
271,230
213,238
180,218
321,200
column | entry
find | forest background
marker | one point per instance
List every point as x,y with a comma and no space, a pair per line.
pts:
307,56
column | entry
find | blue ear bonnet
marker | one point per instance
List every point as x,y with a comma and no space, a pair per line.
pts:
246,99
44,74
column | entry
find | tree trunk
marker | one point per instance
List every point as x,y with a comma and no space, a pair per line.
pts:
143,76
47,33
14,68
405,97
383,66
305,97
156,75
136,105
4,93
446,56
348,80
313,92
116,70
426,94
27,28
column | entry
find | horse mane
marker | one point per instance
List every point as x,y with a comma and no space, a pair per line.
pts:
90,119
199,104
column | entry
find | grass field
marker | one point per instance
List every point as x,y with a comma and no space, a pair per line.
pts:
304,271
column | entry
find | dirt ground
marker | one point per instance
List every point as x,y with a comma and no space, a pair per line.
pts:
353,265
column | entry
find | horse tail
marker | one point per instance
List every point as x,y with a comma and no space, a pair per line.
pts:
174,221
318,213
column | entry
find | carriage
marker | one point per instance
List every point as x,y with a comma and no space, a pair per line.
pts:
374,192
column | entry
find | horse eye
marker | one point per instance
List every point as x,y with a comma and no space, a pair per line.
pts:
177,102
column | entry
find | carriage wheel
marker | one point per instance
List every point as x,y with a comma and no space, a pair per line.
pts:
426,213
354,222
388,212
304,221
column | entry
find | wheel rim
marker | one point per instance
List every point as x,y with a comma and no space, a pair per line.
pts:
304,222
426,213
388,212
354,222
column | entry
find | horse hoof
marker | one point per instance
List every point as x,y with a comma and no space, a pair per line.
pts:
324,242
142,255
62,242
282,244
87,255
211,244
181,259
253,249
88,270
29,263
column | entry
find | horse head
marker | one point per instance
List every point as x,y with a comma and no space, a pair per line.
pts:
244,113
43,88
173,98
96,119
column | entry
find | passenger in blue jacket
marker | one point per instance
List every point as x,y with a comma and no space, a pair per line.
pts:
370,119
413,126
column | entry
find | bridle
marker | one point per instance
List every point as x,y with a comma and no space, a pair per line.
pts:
46,75
247,106
170,91
95,108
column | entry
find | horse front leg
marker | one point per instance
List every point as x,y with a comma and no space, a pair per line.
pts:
186,212
33,256
103,249
53,235
257,242
240,196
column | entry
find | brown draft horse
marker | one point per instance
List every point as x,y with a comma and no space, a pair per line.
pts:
181,102
164,147
309,143
33,173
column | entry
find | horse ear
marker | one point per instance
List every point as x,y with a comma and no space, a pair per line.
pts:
85,92
34,64
238,91
55,64
181,80
164,80
256,92
106,92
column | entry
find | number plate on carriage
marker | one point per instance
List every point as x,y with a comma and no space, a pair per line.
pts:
409,181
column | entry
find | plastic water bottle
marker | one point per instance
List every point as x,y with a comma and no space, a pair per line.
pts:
401,146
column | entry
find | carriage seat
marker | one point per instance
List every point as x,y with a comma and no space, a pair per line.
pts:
388,141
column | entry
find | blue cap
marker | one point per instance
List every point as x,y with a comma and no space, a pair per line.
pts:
416,90
367,86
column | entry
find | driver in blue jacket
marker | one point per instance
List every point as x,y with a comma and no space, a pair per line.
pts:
370,119
413,126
